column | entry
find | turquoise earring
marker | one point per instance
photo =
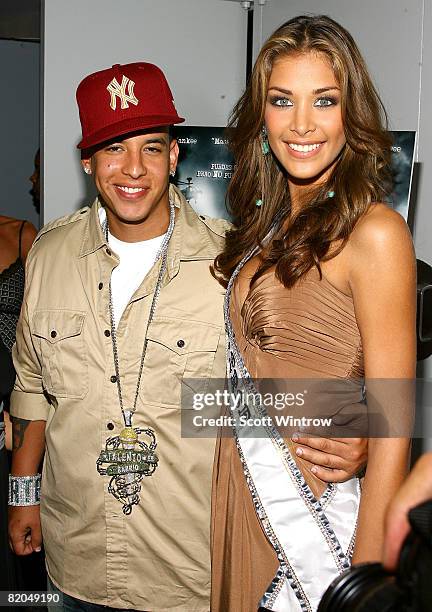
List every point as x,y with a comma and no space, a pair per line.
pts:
258,203
264,141
330,194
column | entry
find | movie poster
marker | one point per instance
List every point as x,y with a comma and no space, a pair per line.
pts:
402,166
205,168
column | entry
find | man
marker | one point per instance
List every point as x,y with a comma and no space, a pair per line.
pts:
120,308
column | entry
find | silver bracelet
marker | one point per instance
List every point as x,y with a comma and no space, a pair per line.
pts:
24,490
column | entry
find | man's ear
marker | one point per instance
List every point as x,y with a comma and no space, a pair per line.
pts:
86,165
173,154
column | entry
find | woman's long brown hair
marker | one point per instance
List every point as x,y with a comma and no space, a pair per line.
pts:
360,177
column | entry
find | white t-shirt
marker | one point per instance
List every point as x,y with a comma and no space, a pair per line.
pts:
136,260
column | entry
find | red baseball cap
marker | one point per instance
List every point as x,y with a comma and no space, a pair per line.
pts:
122,99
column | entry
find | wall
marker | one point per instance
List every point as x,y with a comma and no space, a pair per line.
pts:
395,37
19,112
200,45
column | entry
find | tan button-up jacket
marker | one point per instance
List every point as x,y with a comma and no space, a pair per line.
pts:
157,558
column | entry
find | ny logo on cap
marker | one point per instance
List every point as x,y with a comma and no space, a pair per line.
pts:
117,90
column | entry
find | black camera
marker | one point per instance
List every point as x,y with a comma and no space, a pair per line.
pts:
368,587
424,310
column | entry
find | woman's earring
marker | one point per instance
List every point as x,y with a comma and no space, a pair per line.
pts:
87,170
258,203
264,141
330,194
172,172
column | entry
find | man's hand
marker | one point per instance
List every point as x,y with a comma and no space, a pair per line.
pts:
25,534
24,521
334,459
416,489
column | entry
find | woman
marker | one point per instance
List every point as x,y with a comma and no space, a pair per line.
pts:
322,288
16,238
7,378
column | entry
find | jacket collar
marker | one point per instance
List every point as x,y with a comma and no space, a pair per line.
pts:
93,238
190,239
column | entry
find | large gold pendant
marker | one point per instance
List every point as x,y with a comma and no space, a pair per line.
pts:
127,459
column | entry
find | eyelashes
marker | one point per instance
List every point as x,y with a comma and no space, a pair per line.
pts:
280,101
321,102
327,100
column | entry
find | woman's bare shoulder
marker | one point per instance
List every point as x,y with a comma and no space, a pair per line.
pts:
4,220
28,235
13,222
381,228
10,231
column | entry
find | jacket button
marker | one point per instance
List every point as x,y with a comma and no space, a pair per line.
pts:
107,333
100,286
202,217
113,379
53,334
110,426
180,343
108,251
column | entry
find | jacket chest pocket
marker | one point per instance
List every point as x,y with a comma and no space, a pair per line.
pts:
180,354
59,336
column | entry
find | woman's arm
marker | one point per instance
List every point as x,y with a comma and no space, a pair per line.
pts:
381,264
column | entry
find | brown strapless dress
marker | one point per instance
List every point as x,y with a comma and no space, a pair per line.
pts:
309,331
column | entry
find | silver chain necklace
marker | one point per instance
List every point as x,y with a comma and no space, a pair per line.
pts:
127,463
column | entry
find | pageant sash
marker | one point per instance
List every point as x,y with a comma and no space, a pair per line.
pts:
313,539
